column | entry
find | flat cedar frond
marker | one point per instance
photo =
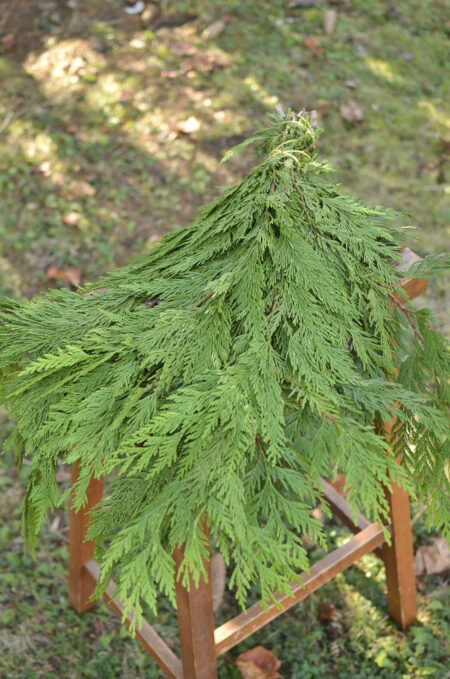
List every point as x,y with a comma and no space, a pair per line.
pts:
224,372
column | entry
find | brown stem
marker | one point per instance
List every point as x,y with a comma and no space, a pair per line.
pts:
329,417
203,299
259,446
405,311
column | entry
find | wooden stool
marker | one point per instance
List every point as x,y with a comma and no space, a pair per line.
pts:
200,643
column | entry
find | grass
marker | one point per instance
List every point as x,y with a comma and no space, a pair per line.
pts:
91,101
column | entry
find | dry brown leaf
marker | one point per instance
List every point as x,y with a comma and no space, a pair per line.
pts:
170,73
54,273
313,46
326,611
7,42
201,62
188,126
351,112
310,42
97,628
80,188
221,60
71,275
72,218
427,168
329,20
213,30
205,62
183,48
258,663
433,558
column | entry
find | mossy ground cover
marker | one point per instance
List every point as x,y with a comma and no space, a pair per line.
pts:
90,113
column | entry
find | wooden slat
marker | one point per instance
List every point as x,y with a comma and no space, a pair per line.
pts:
240,627
341,509
399,561
147,636
196,622
80,552
399,555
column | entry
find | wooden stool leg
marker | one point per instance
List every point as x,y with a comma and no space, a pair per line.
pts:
399,561
399,556
80,552
196,626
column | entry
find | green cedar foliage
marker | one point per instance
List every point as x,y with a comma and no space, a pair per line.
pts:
225,372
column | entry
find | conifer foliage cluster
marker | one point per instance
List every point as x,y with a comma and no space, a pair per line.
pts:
225,372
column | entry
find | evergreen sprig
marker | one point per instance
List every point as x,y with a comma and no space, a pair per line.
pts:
225,372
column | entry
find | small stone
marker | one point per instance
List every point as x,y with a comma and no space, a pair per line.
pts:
213,30
137,8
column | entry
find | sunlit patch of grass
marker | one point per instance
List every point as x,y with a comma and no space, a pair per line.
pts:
39,147
266,98
106,91
437,112
64,67
384,69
